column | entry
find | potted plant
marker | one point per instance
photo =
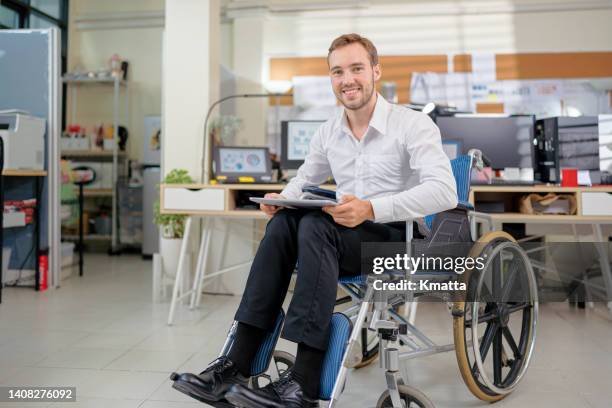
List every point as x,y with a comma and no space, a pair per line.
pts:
172,226
223,129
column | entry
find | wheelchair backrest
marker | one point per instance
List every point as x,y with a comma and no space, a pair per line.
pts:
462,168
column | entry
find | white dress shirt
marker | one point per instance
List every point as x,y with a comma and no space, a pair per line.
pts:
398,164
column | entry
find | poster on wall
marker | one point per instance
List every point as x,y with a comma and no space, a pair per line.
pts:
543,98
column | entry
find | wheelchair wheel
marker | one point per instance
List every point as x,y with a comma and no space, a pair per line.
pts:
281,362
494,326
411,397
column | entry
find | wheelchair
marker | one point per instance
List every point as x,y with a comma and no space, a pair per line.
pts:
494,320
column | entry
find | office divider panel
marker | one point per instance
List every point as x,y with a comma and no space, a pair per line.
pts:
30,81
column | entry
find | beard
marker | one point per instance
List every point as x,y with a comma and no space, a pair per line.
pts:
367,91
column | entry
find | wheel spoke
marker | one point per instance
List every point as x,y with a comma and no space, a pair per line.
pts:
510,283
498,267
485,344
512,343
487,339
518,307
486,317
486,294
497,357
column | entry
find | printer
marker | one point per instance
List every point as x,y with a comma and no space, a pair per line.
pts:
24,141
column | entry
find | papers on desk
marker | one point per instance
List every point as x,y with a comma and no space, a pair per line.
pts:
605,143
14,219
584,178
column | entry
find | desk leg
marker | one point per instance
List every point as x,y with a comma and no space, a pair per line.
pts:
208,227
37,194
1,216
201,264
81,228
180,269
604,262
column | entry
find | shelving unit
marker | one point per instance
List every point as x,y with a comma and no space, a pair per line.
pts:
38,175
94,155
90,153
98,192
88,237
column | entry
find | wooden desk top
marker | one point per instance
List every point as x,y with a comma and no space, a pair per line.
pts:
245,186
518,218
478,188
538,188
507,217
24,173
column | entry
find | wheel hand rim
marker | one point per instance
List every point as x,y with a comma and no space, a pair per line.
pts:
532,327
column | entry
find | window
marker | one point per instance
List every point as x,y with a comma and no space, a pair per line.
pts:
35,14
9,18
52,8
37,22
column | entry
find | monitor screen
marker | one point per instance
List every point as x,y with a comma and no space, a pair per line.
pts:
295,141
507,141
234,160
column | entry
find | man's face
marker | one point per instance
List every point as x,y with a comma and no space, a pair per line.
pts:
352,75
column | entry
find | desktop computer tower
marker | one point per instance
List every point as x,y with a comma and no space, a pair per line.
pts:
566,142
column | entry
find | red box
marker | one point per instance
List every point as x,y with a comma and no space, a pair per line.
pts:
569,177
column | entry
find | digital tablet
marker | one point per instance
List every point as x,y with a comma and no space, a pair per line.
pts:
284,202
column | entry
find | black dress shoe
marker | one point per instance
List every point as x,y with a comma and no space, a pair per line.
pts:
211,384
284,393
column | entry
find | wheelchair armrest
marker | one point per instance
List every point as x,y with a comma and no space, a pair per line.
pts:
465,206
480,216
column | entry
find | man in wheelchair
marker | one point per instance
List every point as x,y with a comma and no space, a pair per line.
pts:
389,167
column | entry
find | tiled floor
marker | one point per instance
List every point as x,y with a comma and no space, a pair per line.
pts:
102,334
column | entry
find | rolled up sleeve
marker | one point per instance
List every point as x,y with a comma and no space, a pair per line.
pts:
436,190
314,171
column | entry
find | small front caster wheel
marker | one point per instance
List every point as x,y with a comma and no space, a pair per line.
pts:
281,362
409,396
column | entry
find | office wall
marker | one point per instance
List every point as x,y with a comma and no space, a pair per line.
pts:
116,26
408,27
190,78
435,27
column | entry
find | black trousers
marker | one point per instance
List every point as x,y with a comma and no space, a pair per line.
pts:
323,251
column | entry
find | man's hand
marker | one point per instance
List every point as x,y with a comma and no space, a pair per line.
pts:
351,211
270,210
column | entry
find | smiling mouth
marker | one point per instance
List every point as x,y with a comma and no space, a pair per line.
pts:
350,91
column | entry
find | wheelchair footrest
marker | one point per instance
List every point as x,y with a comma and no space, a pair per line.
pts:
340,331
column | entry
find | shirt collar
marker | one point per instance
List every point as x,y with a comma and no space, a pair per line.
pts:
378,120
380,115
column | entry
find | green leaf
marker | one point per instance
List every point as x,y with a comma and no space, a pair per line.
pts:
172,225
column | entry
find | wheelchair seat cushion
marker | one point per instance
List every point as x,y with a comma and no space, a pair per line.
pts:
357,279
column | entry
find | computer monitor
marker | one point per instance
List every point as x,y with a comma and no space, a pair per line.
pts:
295,141
507,141
233,163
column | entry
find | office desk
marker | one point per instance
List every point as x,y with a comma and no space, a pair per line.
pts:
594,208
207,201
37,174
211,200
200,200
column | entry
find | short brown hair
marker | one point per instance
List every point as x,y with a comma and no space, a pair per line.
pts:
347,39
